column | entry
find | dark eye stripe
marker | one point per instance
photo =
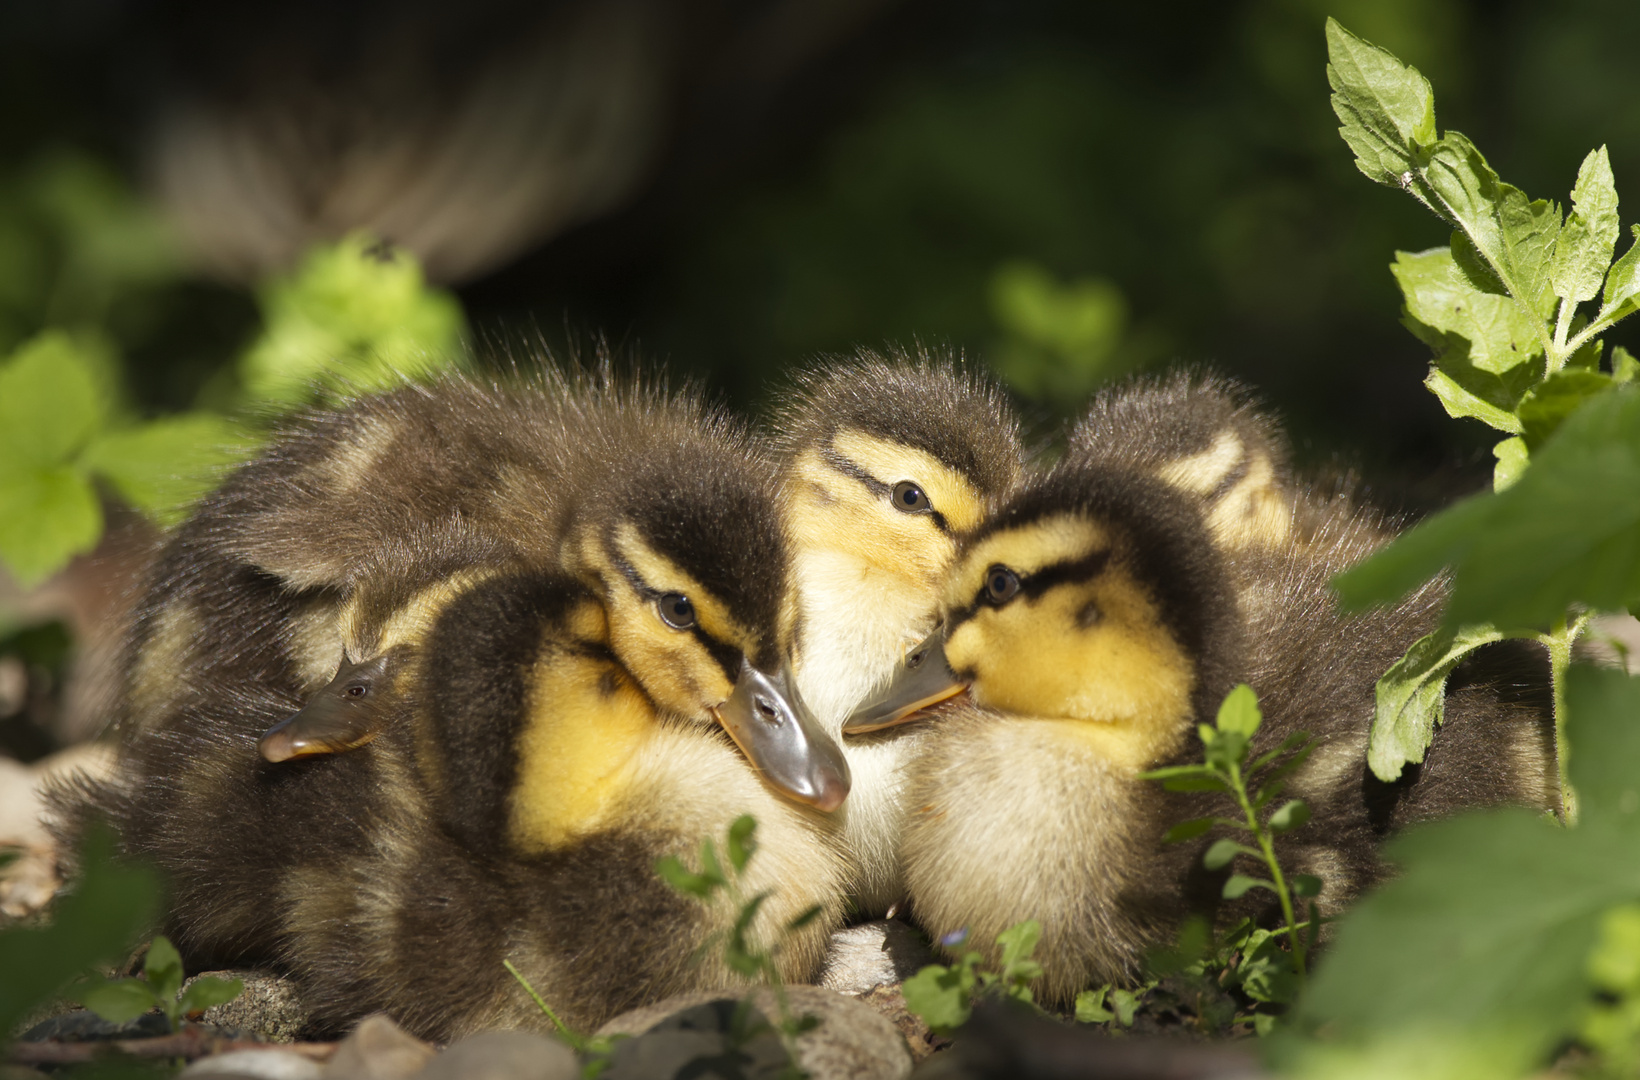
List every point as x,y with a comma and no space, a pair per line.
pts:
1034,585
851,469
725,655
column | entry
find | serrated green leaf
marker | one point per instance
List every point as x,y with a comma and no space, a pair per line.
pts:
1289,816
1090,1006
1543,410
119,1000
1221,852
1411,697
1622,293
162,967
937,995
47,516
1239,712
1590,235
742,841
161,468
1499,335
1240,884
207,992
1531,235
1460,403
49,404
1512,458
1187,830
1387,108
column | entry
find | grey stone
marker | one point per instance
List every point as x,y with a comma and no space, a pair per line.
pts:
852,1041
720,1039
504,1055
269,1006
379,1049
873,954
256,1065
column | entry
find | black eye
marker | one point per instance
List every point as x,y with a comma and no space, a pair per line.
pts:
676,611
910,498
1000,585
357,690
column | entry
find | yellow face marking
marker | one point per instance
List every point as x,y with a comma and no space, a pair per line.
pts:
1095,651
1200,473
1253,512
586,722
314,641
348,463
1061,539
410,624
948,490
673,666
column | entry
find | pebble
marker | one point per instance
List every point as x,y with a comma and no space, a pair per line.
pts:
378,1049
269,1006
874,954
256,1065
504,1055
852,1042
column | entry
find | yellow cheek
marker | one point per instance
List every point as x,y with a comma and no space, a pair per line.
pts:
1254,512
670,664
1123,679
831,512
585,723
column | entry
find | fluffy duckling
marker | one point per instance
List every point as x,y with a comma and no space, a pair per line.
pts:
677,539
1095,623
889,460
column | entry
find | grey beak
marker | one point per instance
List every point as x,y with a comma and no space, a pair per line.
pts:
780,737
351,710
922,679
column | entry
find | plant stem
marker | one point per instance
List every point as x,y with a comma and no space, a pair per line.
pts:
1559,642
569,1036
1557,358
1267,847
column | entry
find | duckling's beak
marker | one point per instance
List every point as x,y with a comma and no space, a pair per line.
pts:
338,717
774,729
923,678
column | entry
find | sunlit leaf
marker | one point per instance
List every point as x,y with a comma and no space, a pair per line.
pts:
1411,697
119,1000
47,516
1590,234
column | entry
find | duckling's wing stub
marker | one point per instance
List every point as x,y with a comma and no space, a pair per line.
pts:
774,729
345,714
923,679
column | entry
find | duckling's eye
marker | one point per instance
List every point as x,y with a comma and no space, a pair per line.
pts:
357,690
1001,584
676,611
910,498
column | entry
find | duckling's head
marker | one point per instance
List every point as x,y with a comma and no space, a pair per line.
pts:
683,544
890,460
1093,597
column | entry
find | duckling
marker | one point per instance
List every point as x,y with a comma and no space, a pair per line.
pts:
226,649
888,461
1094,623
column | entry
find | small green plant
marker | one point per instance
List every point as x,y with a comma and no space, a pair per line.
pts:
1108,1003
119,1000
716,883
1227,744
944,994
595,1050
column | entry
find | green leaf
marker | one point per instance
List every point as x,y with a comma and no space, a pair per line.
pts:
1614,965
742,844
1187,830
1441,298
1289,816
805,917
1266,971
1590,234
119,1000
208,991
1239,884
937,995
1624,366
681,878
1512,460
1126,1002
1296,741
741,957
1386,107
95,923
1546,407
1461,403
161,468
162,967
49,403
1239,712
1018,943
1411,697
1221,852
1418,555
1622,293
1090,1006
47,516
1305,886
710,868
1497,911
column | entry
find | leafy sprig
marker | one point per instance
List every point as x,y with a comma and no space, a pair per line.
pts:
1227,744
161,984
944,994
